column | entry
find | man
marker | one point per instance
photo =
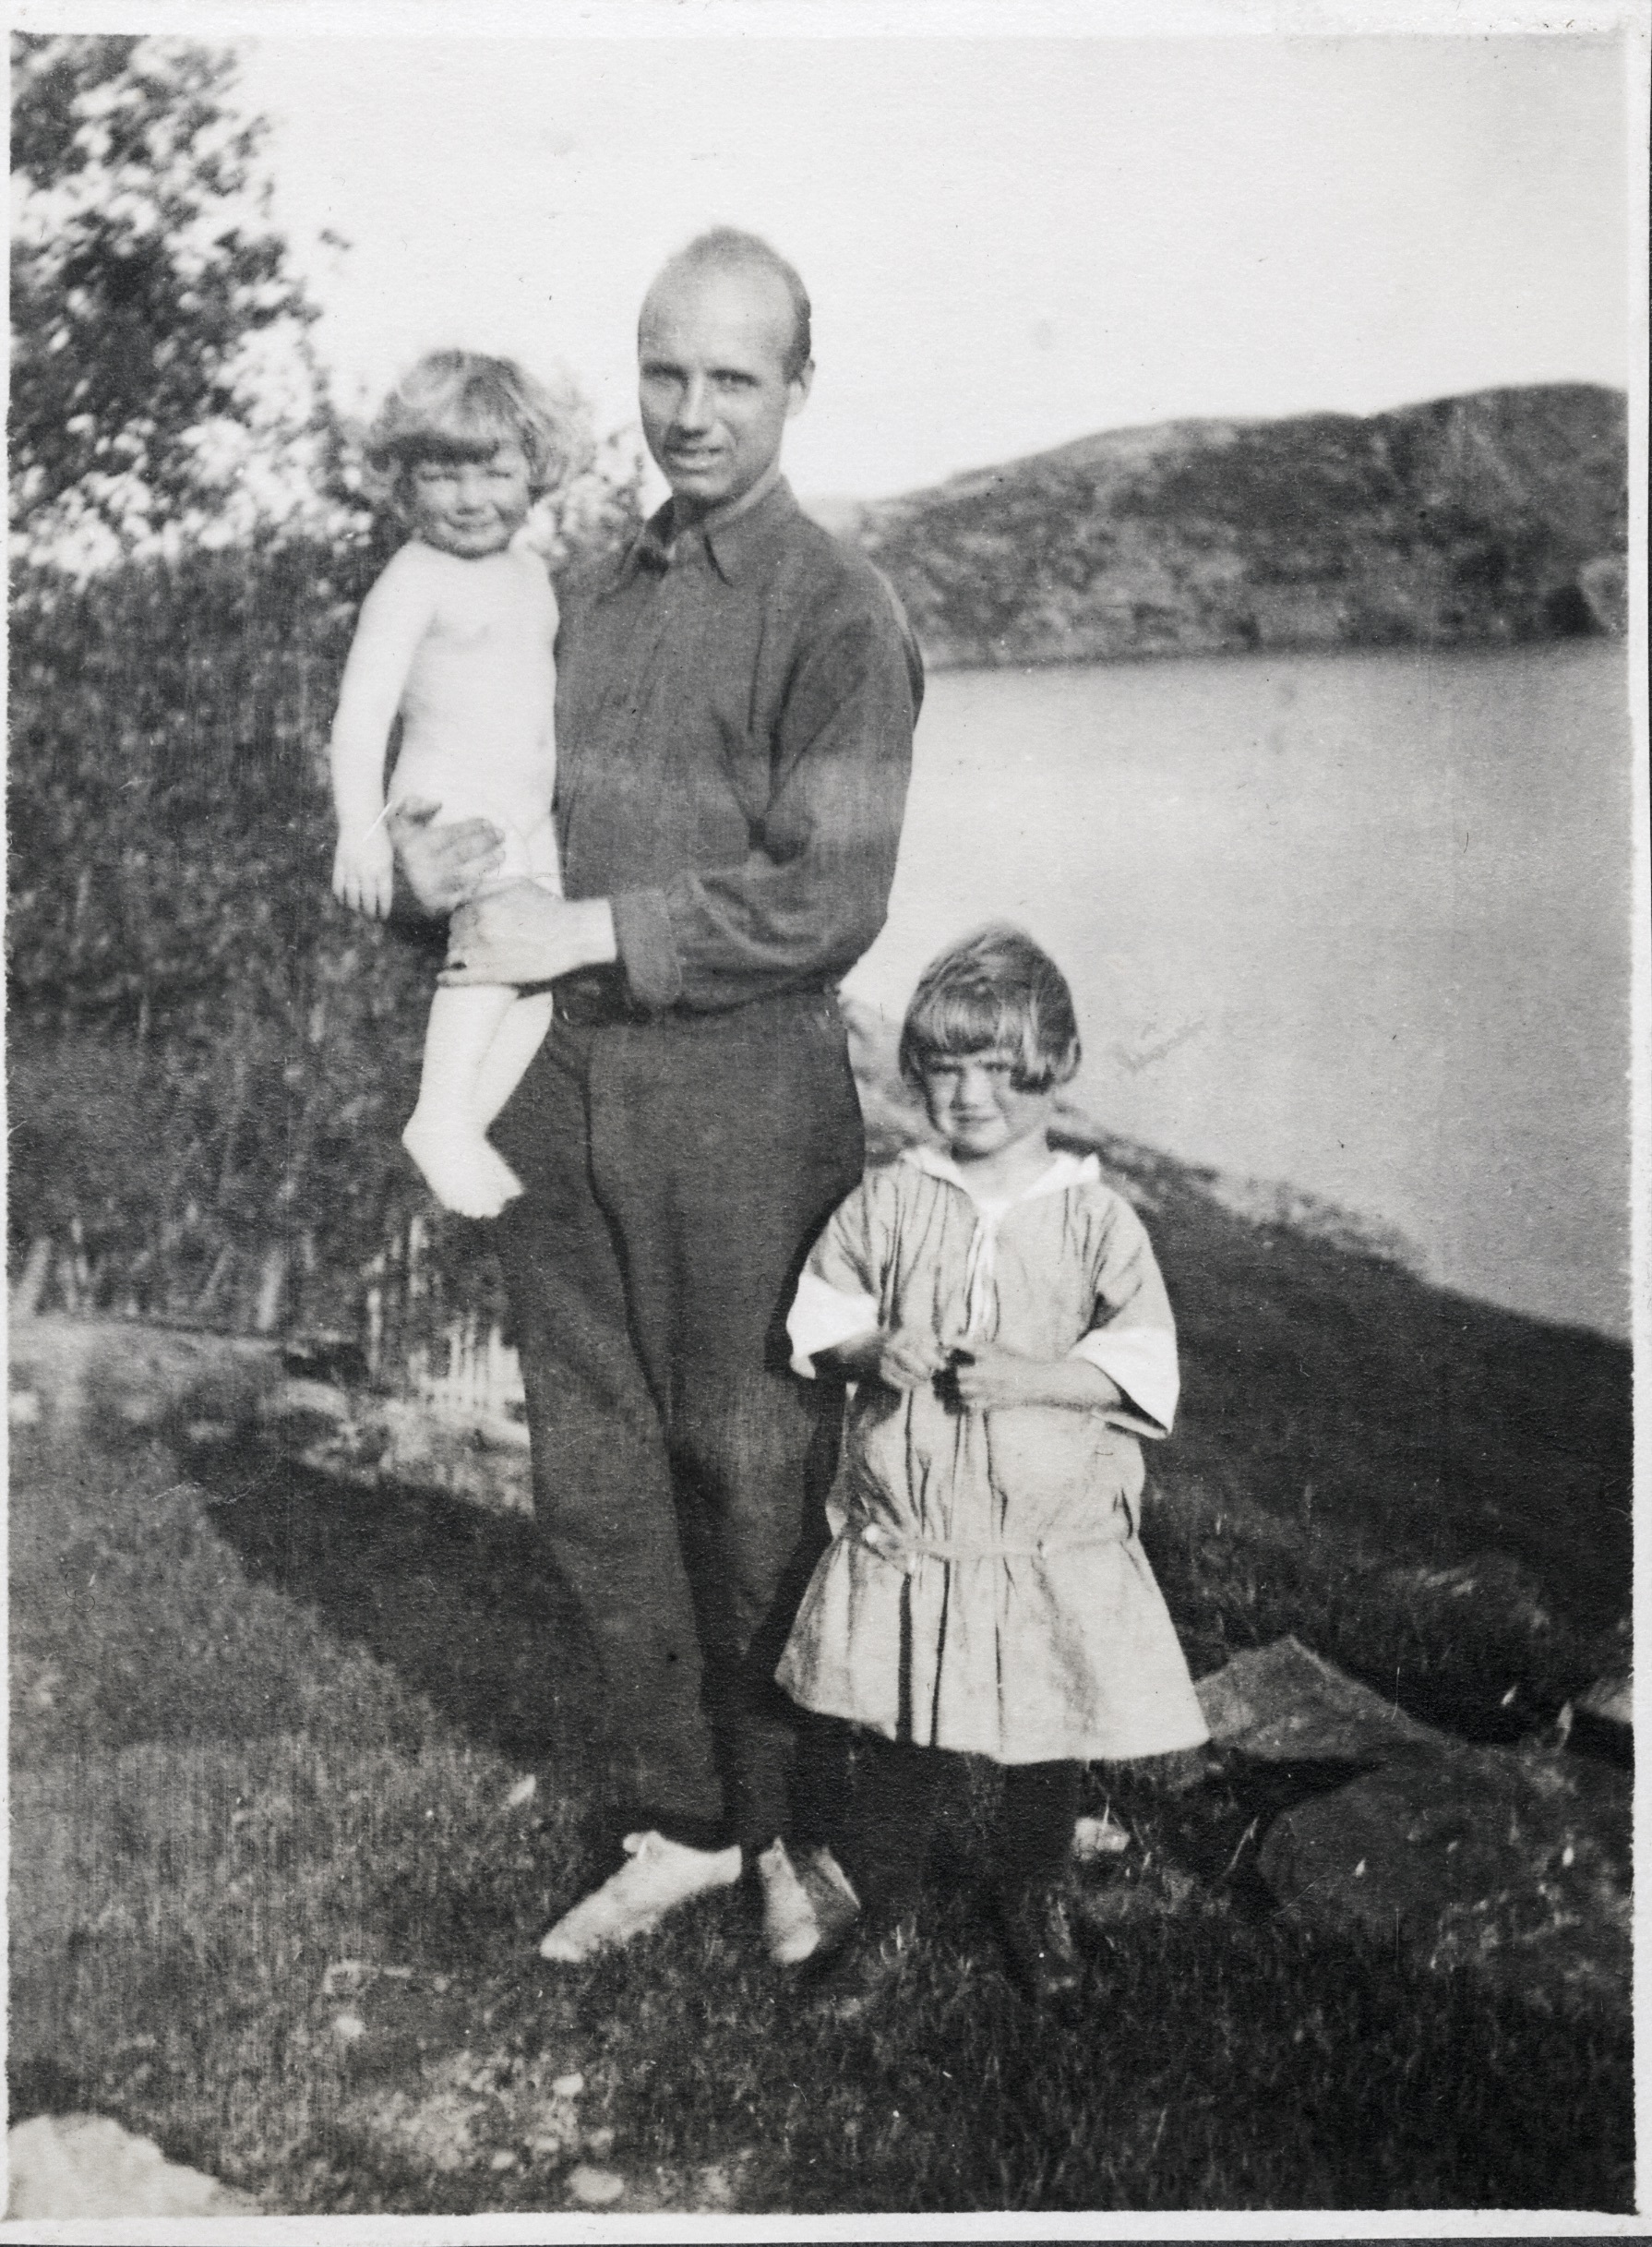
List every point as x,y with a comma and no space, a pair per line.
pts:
734,721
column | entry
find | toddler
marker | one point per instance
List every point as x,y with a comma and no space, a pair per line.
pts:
456,638
1001,1315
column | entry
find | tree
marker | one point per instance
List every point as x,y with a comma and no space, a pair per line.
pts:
162,382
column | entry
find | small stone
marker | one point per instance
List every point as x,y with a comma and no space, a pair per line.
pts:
523,1791
503,2159
1097,1837
595,2188
23,1408
567,2087
599,2143
348,2027
77,2166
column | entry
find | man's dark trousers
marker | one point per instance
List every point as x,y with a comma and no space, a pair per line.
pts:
676,1171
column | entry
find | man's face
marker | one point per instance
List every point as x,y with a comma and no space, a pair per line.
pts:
712,350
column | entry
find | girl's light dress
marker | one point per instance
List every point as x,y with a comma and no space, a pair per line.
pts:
985,1589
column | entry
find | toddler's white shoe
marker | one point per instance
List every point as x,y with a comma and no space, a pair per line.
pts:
661,1875
803,1907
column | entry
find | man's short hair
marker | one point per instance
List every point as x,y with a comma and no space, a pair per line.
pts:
728,249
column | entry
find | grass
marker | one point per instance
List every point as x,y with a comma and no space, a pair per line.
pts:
263,1728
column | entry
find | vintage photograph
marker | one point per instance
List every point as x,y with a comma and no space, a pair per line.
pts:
826,886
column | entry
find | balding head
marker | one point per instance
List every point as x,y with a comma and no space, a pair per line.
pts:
723,365
726,249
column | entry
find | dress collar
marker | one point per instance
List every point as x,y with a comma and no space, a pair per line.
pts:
1065,1169
733,548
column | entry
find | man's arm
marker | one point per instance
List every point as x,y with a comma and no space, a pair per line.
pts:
814,890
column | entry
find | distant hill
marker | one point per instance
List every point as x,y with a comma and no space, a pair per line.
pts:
1497,516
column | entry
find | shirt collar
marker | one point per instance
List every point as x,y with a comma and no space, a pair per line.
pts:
1065,1170
733,548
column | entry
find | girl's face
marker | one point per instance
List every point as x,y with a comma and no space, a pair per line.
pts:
471,508
975,1108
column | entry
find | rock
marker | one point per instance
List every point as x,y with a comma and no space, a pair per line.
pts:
1518,1866
1283,1703
1603,1719
594,2188
1604,585
356,1436
567,2087
1611,1701
121,1373
1500,1594
1513,1861
346,1978
87,2166
1093,1838
22,1409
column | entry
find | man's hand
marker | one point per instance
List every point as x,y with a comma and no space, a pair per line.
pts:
523,934
442,865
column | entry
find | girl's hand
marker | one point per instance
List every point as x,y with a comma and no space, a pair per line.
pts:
910,1358
988,1378
364,873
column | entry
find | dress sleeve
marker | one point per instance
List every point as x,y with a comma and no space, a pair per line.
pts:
1132,1336
839,1294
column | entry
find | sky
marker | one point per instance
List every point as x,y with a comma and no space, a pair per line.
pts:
1010,242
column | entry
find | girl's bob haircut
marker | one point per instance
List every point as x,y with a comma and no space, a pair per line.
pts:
996,992
457,405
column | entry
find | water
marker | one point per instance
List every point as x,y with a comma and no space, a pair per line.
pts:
1359,922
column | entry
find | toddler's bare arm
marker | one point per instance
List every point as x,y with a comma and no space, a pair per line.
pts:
395,617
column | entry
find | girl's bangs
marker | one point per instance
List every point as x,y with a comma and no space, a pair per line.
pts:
971,1020
462,434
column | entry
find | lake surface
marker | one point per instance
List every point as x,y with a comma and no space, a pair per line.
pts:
1357,921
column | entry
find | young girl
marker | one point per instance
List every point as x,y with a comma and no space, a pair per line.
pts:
986,1591
456,637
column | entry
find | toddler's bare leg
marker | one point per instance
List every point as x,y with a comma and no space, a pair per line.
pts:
519,1037
445,1132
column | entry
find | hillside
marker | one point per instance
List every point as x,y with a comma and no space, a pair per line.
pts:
1497,516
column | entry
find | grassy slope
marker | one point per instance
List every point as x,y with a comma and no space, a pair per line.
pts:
1348,1433
261,1726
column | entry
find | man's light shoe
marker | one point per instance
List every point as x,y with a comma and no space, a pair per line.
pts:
661,1875
803,1907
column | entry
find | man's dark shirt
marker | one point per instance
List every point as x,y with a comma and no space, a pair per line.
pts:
733,737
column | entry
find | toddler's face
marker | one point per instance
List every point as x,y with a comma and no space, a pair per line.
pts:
471,508
974,1106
